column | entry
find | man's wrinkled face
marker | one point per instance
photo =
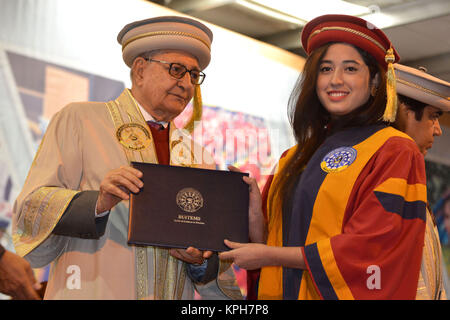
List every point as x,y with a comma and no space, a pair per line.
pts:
162,95
424,130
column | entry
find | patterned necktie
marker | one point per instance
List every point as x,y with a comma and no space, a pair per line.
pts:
161,138
155,125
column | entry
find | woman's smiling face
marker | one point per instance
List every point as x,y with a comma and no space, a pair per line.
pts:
343,82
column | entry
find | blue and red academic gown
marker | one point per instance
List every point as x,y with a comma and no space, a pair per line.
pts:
358,212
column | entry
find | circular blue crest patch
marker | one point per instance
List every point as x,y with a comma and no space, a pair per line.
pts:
338,159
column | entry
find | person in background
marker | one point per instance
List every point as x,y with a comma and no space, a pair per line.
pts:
422,100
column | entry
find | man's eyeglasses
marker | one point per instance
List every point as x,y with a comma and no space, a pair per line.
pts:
178,71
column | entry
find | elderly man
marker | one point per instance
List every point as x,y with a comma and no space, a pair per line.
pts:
423,99
73,209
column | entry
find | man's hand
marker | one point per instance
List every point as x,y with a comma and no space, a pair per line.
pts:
16,278
191,255
117,185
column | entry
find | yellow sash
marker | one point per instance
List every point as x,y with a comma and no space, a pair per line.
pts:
271,280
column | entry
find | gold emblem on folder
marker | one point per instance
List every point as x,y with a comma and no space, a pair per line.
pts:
189,200
133,136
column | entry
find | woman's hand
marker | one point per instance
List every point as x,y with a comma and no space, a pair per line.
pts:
248,256
252,256
256,223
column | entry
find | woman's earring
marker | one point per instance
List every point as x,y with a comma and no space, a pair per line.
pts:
373,91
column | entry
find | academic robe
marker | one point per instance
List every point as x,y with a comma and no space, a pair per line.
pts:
358,211
431,282
94,261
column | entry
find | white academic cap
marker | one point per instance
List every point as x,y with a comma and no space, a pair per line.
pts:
423,87
166,33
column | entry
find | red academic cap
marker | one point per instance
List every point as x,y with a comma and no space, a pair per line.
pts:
348,29
362,34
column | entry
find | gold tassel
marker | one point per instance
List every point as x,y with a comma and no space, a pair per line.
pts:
196,110
391,88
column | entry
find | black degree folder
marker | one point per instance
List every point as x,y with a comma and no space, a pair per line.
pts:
179,207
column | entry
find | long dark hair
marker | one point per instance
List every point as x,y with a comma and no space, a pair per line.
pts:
312,123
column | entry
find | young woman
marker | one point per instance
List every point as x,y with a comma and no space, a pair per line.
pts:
346,206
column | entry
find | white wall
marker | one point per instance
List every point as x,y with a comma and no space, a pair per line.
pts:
244,74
